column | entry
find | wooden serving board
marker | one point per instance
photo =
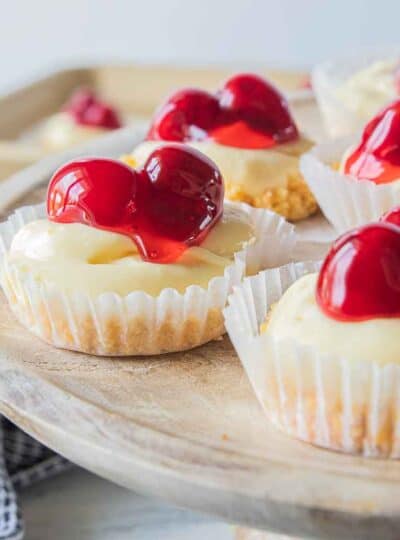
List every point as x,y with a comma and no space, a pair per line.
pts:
186,427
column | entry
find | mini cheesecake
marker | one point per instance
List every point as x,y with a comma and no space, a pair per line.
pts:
130,261
357,179
81,119
321,347
247,129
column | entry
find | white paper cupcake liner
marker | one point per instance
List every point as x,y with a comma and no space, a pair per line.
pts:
351,407
138,323
345,201
339,118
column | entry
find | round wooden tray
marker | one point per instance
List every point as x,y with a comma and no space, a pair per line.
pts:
186,427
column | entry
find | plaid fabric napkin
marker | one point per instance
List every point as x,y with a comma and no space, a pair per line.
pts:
23,461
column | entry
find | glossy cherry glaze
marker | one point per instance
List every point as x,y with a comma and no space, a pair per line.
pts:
360,277
393,216
86,109
248,112
168,205
377,157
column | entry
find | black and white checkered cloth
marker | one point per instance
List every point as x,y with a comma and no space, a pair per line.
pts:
23,461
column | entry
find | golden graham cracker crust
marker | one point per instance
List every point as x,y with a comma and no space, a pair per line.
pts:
294,201
107,336
358,438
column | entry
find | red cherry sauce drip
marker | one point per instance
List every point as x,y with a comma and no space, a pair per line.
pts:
170,204
360,277
248,112
86,109
377,157
393,216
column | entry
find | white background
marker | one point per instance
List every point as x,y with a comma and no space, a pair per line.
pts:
38,35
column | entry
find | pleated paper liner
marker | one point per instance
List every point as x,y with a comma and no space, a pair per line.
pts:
351,407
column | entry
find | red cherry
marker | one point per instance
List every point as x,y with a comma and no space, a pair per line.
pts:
360,277
92,191
79,101
99,114
187,116
393,216
88,110
306,83
377,157
170,204
248,112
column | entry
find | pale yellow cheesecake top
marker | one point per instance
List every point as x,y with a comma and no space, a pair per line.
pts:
255,171
76,257
297,315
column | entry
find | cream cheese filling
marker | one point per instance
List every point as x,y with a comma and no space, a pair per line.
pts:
298,316
255,171
75,257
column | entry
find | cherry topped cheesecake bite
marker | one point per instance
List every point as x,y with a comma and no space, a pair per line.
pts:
245,127
134,261
320,343
352,305
83,117
355,180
